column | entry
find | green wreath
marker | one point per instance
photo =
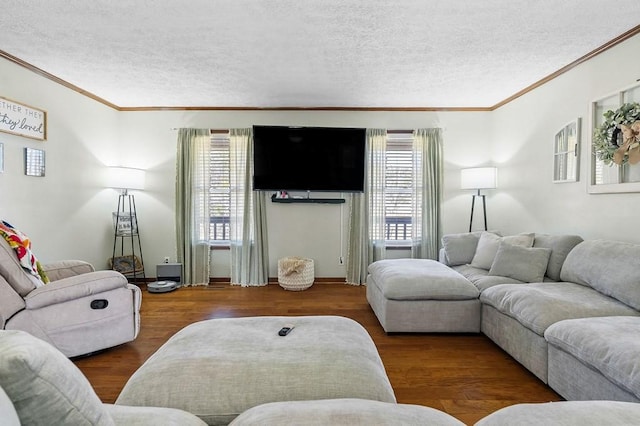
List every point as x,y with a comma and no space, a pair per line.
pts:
606,136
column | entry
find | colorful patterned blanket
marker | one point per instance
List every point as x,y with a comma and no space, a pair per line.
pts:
21,244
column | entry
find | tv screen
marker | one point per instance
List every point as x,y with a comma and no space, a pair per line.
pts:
308,158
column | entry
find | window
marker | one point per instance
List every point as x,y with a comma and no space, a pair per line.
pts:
565,155
611,177
219,189
398,192
400,165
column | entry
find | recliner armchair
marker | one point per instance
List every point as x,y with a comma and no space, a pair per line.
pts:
79,311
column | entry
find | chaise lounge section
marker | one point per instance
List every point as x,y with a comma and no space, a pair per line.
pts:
421,295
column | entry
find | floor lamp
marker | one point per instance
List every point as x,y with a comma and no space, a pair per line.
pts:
478,178
125,221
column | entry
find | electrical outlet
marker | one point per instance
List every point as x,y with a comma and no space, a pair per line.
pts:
341,260
166,259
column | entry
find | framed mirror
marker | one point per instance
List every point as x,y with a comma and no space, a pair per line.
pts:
566,164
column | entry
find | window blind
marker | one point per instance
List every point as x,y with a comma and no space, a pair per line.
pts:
219,187
398,187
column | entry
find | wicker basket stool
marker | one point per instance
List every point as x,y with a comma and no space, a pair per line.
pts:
295,273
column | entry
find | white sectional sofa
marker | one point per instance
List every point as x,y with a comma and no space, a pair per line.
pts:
566,309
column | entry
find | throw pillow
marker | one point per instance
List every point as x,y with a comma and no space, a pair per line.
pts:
488,247
21,244
527,264
44,385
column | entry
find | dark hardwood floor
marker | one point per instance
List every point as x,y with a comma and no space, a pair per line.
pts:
465,375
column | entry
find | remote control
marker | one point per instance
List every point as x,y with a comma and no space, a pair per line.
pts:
285,330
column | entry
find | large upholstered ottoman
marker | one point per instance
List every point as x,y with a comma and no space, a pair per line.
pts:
422,295
216,369
352,412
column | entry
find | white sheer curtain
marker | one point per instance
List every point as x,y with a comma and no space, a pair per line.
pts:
427,193
366,240
192,205
248,228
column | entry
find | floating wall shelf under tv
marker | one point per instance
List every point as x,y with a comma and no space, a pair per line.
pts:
307,200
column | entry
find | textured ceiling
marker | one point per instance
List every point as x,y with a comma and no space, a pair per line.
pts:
304,53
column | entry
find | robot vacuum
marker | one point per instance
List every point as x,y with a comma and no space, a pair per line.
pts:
161,286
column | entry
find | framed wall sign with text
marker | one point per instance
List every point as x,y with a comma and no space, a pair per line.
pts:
22,120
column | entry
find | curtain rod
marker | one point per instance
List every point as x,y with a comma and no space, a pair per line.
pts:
227,130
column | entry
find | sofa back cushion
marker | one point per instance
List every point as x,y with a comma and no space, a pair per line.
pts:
460,248
560,246
610,267
44,385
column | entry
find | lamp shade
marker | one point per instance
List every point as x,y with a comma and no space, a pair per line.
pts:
125,178
479,178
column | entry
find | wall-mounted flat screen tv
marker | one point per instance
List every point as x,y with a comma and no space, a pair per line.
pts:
308,158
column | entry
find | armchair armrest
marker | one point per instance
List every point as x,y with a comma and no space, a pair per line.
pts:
66,268
75,287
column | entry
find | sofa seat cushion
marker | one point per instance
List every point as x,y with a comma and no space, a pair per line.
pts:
353,412
537,306
481,278
609,345
420,279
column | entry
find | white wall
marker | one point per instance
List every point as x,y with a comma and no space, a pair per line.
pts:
523,139
317,231
67,213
